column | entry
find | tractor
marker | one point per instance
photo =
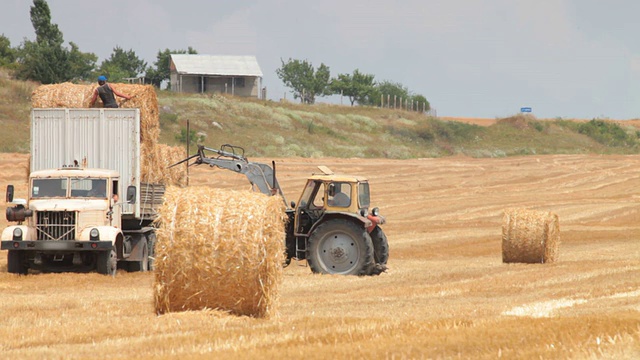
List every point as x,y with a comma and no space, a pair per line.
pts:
332,227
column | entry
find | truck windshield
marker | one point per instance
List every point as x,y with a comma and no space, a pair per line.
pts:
45,188
88,187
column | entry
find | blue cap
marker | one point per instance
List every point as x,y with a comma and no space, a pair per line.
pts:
102,78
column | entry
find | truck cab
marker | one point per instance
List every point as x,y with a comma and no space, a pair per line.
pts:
71,220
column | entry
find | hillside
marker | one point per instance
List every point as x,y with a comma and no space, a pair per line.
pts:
272,129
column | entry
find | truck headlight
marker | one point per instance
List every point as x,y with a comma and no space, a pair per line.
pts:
17,234
375,211
94,234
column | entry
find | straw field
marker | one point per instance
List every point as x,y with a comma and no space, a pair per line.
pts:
447,293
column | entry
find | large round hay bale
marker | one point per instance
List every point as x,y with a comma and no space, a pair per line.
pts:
530,236
219,249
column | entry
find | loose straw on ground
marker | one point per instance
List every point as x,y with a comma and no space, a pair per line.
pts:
219,249
530,236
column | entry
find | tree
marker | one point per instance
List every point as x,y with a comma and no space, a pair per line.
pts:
7,53
161,71
391,92
122,64
305,81
81,64
46,60
46,32
419,100
357,87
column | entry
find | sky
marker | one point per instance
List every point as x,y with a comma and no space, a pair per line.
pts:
469,58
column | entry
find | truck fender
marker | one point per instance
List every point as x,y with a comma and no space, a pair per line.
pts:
7,233
107,233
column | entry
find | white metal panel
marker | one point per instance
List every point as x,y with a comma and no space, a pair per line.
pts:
224,65
94,138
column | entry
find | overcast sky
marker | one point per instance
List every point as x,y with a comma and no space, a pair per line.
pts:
562,58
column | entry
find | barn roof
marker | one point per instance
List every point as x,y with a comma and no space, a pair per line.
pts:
225,65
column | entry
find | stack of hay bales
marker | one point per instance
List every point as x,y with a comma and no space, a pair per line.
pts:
155,158
530,236
219,249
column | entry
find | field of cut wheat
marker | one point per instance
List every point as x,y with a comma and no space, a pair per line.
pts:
446,294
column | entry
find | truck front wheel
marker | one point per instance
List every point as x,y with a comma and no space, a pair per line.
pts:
16,262
107,262
340,246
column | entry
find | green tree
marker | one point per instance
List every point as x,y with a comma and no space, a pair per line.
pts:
46,32
357,87
46,60
419,100
122,64
161,72
305,81
7,53
82,64
387,91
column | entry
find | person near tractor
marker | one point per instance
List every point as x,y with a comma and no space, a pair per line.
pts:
107,93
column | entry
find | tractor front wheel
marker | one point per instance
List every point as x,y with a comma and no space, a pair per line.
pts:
340,246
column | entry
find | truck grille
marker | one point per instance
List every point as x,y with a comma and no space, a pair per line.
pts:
56,225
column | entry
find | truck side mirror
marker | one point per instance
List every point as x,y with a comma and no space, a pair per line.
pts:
131,194
332,189
9,197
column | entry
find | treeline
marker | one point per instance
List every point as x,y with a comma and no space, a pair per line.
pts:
47,60
307,83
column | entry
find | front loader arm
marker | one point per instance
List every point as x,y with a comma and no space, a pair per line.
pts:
258,174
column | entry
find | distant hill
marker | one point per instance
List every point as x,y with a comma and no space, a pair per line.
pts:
283,129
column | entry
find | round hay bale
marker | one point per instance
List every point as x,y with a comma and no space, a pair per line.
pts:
219,249
530,236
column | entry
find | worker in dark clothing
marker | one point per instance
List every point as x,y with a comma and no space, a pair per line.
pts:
107,94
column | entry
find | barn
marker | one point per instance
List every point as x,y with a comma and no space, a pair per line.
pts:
228,74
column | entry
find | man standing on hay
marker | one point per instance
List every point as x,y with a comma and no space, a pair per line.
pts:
107,94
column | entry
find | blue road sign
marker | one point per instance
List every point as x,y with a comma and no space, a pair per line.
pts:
525,109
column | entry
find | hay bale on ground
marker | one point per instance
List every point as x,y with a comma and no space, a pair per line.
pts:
530,236
219,249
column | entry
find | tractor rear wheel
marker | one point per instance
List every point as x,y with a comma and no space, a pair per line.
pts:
340,246
107,262
16,262
380,246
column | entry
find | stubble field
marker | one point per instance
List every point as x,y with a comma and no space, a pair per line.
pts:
446,294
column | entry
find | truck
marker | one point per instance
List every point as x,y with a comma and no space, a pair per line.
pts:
87,207
333,225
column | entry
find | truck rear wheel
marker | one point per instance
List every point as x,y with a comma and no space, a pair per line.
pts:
107,262
380,246
151,241
16,262
143,264
340,246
